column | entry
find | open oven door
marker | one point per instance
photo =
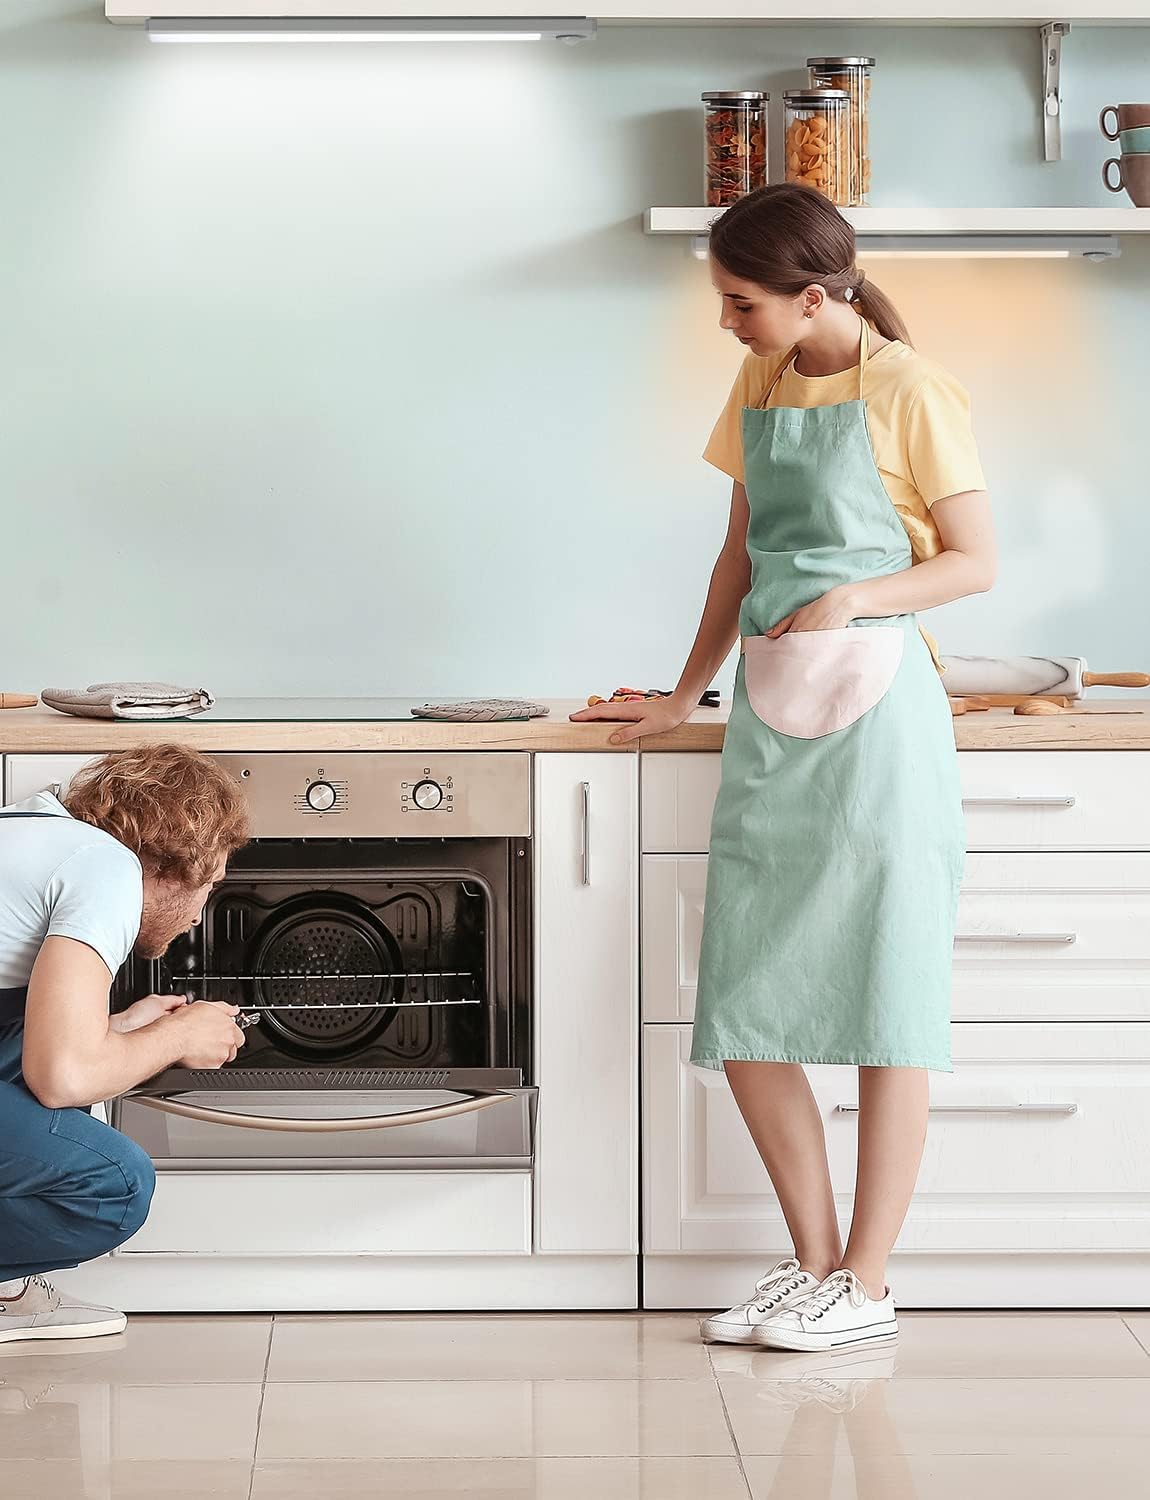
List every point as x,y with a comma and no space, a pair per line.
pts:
350,1119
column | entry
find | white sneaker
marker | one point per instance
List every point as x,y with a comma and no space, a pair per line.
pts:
39,1313
838,1314
780,1286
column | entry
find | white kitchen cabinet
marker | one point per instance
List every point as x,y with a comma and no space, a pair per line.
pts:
24,775
348,1213
1039,937
587,1002
1037,1142
674,887
1013,800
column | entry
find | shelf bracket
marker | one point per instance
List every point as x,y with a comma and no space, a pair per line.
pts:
1052,35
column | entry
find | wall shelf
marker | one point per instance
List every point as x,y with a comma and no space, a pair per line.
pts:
1090,232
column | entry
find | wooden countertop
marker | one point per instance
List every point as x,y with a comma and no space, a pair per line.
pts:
1099,724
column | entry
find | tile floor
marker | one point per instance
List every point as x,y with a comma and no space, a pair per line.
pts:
586,1407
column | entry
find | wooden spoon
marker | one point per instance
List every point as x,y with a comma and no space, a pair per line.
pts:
18,700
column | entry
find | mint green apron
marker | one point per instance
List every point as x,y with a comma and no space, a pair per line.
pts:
837,841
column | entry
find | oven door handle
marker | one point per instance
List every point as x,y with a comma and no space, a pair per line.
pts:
479,1099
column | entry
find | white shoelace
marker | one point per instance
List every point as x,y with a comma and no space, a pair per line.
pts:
785,1272
841,1283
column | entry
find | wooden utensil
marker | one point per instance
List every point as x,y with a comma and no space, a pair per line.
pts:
18,700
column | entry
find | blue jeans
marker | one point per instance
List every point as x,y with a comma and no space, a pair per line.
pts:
71,1188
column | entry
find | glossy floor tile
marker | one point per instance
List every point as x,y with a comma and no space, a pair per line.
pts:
507,1479
1005,1345
885,1417
577,1407
494,1419
594,1346
931,1478
1139,1325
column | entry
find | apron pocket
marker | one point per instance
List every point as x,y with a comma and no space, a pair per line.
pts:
807,683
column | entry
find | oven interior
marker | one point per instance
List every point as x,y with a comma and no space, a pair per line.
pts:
376,954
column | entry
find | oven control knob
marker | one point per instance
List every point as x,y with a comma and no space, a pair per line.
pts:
427,794
321,796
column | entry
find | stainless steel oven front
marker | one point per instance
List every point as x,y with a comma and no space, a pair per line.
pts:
376,933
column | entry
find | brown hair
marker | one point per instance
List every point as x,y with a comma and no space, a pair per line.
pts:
788,237
175,808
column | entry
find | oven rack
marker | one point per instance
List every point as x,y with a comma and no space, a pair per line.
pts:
290,978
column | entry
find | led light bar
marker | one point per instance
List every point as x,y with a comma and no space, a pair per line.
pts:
305,29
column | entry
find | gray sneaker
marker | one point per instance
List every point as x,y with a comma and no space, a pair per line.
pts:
39,1313
784,1283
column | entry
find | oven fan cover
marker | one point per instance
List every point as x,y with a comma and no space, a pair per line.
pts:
328,976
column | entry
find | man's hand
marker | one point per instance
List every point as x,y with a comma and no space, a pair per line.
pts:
145,1011
209,1036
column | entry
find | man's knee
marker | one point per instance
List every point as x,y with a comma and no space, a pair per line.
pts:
139,1177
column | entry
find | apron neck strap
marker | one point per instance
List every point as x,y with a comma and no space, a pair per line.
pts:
864,351
864,355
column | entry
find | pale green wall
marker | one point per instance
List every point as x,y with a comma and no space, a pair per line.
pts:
350,370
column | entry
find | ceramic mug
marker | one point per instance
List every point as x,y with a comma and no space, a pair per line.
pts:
1135,142
1133,175
1127,117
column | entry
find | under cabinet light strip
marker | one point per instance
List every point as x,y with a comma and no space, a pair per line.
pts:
338,29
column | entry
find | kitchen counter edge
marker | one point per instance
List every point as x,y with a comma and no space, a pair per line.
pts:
1099,724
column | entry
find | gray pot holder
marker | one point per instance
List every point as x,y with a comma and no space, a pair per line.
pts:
477,710
129,700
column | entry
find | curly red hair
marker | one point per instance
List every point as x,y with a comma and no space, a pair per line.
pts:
172,806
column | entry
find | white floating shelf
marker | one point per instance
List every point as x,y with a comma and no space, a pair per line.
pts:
1091,232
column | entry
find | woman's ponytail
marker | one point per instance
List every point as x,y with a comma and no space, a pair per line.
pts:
877,308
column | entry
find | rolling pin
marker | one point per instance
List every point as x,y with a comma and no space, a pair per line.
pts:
1029,676
18,700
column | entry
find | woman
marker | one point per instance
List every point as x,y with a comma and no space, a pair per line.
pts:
837,842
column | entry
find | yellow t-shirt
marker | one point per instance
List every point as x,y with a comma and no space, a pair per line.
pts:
919,421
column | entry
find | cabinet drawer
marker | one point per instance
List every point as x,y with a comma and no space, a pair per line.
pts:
1039,937
1057,799
678,797
1012,800
1060,937
337,1213
1036,1142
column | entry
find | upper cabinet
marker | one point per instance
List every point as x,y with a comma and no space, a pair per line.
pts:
704,12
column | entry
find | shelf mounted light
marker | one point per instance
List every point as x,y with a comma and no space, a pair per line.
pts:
305,29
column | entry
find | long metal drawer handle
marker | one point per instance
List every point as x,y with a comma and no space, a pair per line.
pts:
984,1109
586,785
1018,801
324,1127
1016,937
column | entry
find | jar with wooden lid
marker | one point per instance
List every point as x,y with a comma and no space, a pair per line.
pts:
817,140
734,145
851,74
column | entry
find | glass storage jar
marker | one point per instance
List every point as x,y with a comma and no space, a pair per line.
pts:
734,145
817,142
853,75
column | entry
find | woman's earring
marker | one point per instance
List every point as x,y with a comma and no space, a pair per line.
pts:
808,313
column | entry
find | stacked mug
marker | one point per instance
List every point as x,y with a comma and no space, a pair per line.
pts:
1131,129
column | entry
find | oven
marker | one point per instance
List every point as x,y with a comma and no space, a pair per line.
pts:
376,934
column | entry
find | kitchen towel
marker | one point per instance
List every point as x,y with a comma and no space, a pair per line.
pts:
129,700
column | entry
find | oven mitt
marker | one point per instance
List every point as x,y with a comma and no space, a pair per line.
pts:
475,710
129,700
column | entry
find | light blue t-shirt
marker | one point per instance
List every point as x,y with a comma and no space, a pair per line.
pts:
60,877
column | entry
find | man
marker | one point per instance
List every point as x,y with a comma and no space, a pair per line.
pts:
124,861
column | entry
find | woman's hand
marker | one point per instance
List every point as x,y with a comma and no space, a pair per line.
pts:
833,611
654,716
145,1011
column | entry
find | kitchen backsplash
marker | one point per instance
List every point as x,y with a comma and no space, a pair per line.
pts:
338,370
